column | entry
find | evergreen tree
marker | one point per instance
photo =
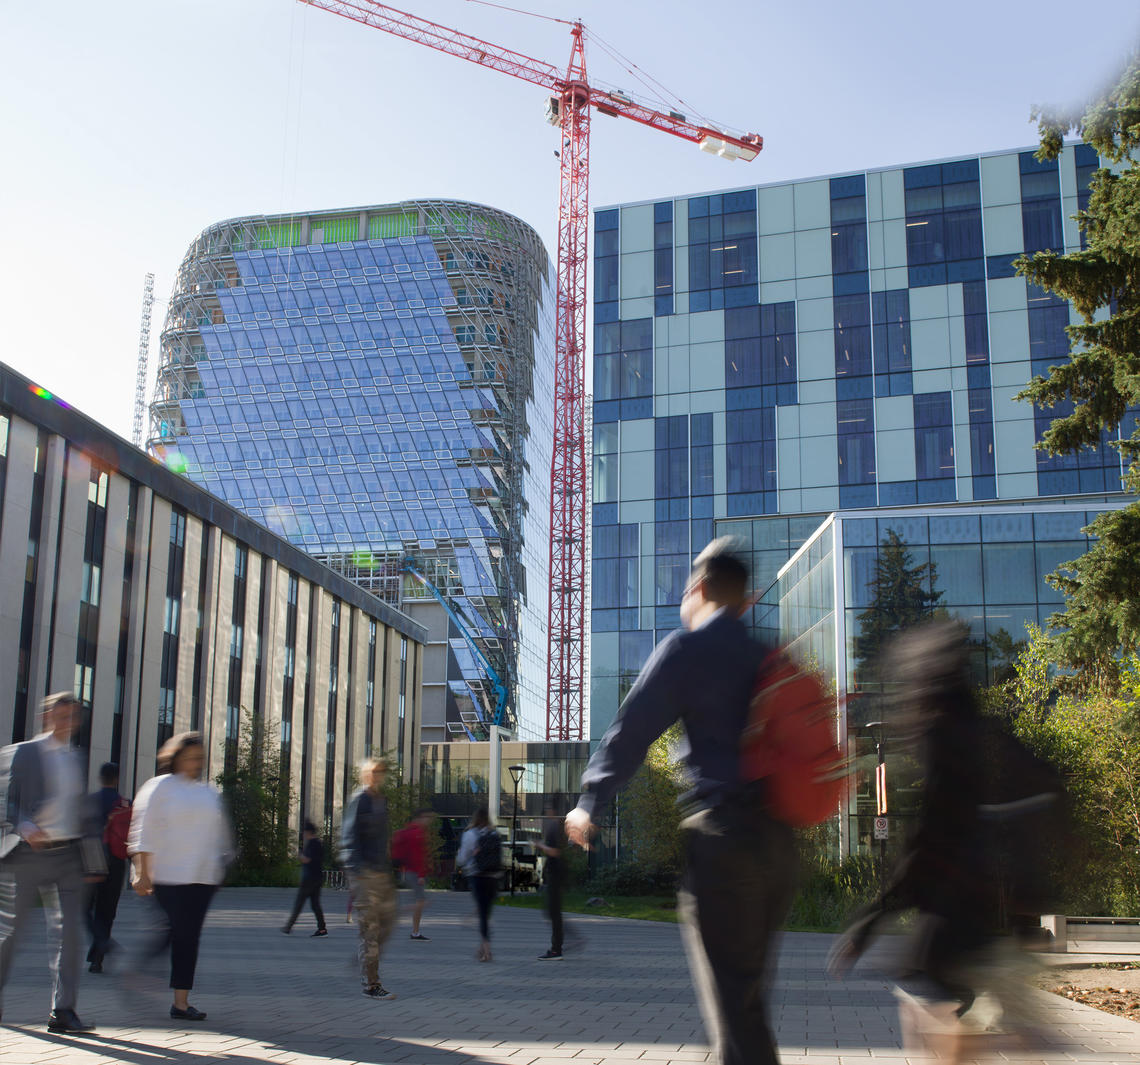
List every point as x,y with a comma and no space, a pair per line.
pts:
902,595
1100,381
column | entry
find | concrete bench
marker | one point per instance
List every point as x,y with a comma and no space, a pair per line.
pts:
1093,935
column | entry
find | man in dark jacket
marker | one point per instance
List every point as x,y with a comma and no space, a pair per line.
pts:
47,844
103,901
312,876
364,852
740,863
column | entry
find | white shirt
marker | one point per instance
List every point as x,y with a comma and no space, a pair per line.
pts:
58,817
182,825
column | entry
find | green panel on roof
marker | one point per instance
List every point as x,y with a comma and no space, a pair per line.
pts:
396,224
335,229
279,235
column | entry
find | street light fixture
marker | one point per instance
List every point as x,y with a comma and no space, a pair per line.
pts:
880,797
516,772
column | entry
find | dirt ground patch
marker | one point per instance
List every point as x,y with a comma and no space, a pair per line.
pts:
1112,986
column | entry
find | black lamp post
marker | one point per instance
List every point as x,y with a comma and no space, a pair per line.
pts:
880,797
516,772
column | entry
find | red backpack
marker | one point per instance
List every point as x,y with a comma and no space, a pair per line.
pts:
117,828
790,743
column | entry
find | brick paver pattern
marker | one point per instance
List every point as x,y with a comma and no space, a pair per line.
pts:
622,995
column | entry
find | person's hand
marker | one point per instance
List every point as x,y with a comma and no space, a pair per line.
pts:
579,828
36,838
143,886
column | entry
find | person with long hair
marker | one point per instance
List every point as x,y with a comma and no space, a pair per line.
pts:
180,843
480,838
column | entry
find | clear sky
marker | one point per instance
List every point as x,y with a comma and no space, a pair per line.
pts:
128,126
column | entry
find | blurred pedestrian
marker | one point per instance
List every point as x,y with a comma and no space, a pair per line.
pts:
554,845
312,858
740,861
48,846
181,844
364,853
480,856
113,814
945,871
411,850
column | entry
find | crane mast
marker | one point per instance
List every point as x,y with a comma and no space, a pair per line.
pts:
570,105
143,359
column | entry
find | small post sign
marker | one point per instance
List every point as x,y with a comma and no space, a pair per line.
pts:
880,828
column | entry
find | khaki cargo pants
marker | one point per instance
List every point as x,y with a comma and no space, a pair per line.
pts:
374,903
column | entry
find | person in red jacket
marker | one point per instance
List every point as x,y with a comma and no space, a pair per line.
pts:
410,850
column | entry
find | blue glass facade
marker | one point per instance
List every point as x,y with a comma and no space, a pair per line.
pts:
824,345
375,385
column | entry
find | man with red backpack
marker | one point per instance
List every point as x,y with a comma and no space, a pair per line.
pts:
114,813
740,859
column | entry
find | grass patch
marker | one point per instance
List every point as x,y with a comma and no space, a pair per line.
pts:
639,907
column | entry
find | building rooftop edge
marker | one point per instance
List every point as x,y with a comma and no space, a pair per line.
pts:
827,177
16,394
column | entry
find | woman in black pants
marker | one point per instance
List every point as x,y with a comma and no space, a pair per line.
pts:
480,858
180,841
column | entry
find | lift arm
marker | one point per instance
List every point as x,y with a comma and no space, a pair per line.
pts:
497,684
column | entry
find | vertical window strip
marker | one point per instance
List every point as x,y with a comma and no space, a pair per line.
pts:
31,579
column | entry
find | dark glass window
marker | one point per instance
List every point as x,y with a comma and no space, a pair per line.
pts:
933,436
943,223
856,440
1041,204
723,264
890,316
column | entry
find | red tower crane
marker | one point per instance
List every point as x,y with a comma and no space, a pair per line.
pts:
569,106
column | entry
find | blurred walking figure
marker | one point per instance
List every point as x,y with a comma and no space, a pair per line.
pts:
410,850
364,853
553,845
47,847
946,872
312,875
181,844
113,813
740,861
480,856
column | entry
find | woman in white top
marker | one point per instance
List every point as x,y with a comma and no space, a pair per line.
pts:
484,883
180,841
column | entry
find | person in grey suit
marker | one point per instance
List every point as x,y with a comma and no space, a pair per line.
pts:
47,847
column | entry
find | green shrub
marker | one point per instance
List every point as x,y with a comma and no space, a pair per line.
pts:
832,891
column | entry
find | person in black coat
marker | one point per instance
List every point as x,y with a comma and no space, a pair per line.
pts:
312,875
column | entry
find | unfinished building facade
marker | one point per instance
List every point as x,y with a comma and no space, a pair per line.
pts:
375,385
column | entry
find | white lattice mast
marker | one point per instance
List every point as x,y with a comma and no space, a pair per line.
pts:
144,360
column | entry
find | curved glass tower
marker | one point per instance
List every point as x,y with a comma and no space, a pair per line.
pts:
375,384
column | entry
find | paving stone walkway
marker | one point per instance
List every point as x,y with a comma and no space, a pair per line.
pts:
623,995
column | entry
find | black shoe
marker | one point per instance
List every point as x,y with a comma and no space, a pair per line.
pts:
67,1021
420,936
319,932
286,930
188,1014
379,992
551,955
95,967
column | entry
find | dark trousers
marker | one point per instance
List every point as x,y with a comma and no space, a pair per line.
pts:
185,906
311,890
484,888
102,905
736,892
553,890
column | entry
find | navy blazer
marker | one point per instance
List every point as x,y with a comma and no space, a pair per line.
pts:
22,795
